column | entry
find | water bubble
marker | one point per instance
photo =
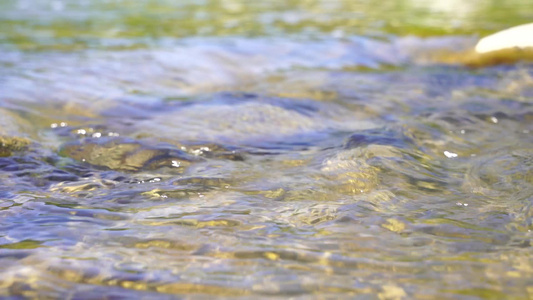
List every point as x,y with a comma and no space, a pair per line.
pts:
449,154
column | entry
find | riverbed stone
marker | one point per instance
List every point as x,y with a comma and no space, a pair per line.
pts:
127,155
9,145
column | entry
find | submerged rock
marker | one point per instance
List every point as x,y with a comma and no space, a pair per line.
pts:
475,59
252,120
127,155
504,47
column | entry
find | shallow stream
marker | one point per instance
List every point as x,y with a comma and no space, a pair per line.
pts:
256,149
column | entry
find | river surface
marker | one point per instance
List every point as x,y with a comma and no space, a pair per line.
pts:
258,149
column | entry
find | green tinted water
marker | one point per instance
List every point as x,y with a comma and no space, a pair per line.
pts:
304,149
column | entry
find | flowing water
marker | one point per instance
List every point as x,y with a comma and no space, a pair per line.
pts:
256,149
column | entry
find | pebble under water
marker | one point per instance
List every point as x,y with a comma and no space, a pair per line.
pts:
233,166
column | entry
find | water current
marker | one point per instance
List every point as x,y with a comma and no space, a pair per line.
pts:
258,149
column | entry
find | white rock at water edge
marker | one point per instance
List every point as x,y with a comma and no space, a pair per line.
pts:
515,37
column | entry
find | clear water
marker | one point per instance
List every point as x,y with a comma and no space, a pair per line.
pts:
303,149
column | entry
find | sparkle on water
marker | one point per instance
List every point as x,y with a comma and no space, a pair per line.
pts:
249,149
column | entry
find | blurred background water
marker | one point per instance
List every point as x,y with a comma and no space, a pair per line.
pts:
304,149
